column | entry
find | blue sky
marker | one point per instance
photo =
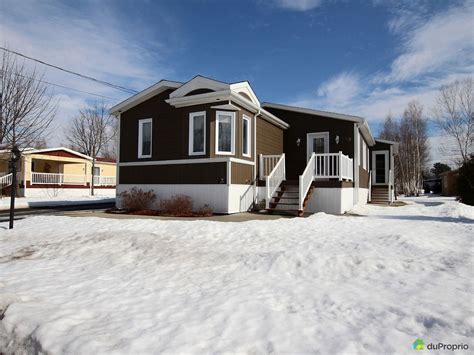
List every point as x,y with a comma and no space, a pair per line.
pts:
365,58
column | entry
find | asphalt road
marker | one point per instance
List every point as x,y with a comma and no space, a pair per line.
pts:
53,211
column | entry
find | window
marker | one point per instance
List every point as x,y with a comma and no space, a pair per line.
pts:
96,171
246,136
144,138
225,139
197,133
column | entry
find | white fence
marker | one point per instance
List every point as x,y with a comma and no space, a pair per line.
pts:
274,179
333,165
69,179
104,180
306,179
6,180
267,163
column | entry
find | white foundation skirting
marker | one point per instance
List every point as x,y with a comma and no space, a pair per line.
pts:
220,198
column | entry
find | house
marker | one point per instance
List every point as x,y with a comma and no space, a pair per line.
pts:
216,143
449,181
59,172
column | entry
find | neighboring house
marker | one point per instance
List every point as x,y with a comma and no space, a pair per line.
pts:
449,181
216,143
59,172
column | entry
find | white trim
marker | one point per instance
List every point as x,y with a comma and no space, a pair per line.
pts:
140,137
117,170
232,132
144,95
227,107
47,150
374,175
245,88
199,82
249,136
311,136
191,133
356,136
188,161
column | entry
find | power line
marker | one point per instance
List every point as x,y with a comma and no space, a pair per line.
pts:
114,86
61,86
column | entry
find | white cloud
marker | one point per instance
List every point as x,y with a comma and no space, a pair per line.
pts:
91,40
298,5
434,52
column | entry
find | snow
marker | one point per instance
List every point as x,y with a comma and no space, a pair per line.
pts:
322,284
27,202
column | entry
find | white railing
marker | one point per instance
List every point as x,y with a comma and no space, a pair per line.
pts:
274,179
57,179
333,165
306,179
104,180
369,197
267,164
6,180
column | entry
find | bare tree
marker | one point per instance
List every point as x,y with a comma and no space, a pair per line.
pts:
412,158
27,106
454,115
91,131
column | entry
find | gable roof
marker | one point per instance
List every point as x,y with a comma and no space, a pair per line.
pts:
144,95
49,150
202,82
364,126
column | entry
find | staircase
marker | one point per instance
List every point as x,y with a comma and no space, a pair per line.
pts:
285,200
379,194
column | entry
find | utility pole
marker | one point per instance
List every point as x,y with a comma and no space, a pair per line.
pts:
15,157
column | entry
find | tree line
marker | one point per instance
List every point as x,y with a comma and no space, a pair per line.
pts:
452,114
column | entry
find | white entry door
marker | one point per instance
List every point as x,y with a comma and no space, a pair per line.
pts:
317,143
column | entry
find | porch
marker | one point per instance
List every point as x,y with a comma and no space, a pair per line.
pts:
59,179
329,169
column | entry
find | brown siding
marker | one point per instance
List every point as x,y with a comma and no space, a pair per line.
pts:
302,124
206,173
170,132
242,174
269,138
363,178
378,147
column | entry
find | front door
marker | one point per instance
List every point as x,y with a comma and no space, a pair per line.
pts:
380,167
317,143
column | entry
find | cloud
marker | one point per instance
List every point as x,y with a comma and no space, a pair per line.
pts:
445,41
298,5
89,39
433,51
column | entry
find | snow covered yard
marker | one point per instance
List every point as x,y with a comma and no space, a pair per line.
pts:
28,202
323,284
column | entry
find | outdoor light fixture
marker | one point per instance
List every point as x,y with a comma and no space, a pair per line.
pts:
337,139
298,142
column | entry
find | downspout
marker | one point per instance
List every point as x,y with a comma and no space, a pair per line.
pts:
356,164
255,171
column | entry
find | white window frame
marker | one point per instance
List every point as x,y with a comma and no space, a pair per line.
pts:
232,132
249,136
191,133
140,137
385,154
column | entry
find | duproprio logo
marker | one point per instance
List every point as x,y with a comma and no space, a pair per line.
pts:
418,344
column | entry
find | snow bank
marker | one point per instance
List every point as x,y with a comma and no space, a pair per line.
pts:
323,284
26,202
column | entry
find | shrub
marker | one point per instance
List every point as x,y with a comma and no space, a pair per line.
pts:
204,211
178,205
465,183
137,199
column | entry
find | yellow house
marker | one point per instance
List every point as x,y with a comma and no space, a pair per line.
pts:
61,171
